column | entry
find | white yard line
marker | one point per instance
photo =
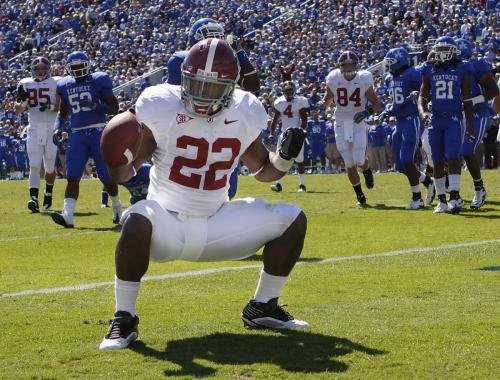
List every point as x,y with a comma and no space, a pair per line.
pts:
55,236
203,272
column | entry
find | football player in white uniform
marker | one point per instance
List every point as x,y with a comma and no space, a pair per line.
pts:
195,134
37,94
350,90
293,111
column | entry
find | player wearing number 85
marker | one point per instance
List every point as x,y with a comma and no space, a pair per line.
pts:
350,90
37,94
86,99
195,133
447,83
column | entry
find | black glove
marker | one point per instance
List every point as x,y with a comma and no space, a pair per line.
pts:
413,96
44,106
361,115
383,116
87,104
427,120
290,143
234,42
56,137
22,94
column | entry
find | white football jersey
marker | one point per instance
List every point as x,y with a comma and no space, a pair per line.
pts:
195,156
40,93
349,96
290,117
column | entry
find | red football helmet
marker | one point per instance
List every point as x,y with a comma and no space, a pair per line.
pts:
348,63
209,75
288,90
40,68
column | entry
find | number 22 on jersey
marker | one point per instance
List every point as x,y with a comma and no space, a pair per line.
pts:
203,147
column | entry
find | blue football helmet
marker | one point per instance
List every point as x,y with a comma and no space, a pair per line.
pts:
465,48
405,46
395,59
205,28
445,49
78,64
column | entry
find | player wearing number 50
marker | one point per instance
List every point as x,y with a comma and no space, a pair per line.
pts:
196,133
350,90
447,83
37,94
86,98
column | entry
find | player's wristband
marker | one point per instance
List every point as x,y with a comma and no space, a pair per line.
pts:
476,100
103,107
280,163
242,57
59,122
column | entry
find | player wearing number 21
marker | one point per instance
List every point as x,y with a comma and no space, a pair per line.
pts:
37,94
86,98
195,133
447,83
350,90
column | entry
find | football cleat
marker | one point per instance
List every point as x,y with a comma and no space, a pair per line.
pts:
47,201
431,194
369,181
415,205
277,187
361,200
454,205
104,205
122,331
270,315
117,214
440,208
62,219
302,189
480,197
33,205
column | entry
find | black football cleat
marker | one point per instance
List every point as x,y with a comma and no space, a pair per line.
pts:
62,220
302,189
277,187
122,331
270,315
47,201
361,200
33,205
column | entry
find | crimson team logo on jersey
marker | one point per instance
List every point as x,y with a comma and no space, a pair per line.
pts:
181,118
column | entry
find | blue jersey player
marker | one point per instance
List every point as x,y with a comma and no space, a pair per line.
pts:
401,81
316,134
85,98
249,81
447,83
483,89
138,185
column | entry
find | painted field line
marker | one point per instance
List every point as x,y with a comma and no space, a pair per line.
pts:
36,237
204,272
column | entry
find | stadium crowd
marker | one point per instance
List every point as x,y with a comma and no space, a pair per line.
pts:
130,38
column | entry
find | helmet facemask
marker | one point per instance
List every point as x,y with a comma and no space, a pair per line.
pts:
349,69
444,52
78,68
40,71
209,30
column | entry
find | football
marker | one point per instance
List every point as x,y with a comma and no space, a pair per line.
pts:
121,139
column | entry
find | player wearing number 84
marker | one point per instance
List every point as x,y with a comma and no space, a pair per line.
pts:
195,134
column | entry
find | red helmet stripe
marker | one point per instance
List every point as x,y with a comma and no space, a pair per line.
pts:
211,54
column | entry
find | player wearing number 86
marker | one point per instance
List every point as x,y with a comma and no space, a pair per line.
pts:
195,133
37,94
447,83
350,89
86,98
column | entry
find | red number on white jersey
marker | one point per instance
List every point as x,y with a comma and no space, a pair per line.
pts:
343,99
34,96
202,145
288,111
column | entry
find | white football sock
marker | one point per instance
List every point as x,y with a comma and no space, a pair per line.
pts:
440,184
269,287
415,189
115,201
422,177
69,206
126,293
454,180
280,181
34,178
302,179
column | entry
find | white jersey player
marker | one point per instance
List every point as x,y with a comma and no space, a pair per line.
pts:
351,89
293,111
196,133
37,94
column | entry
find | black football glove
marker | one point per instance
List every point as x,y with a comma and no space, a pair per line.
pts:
44,107
383,116
22,94
290,143
361,115
87,104
57,137
413,97
427,120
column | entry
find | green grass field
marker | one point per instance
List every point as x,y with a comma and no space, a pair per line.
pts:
415,312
